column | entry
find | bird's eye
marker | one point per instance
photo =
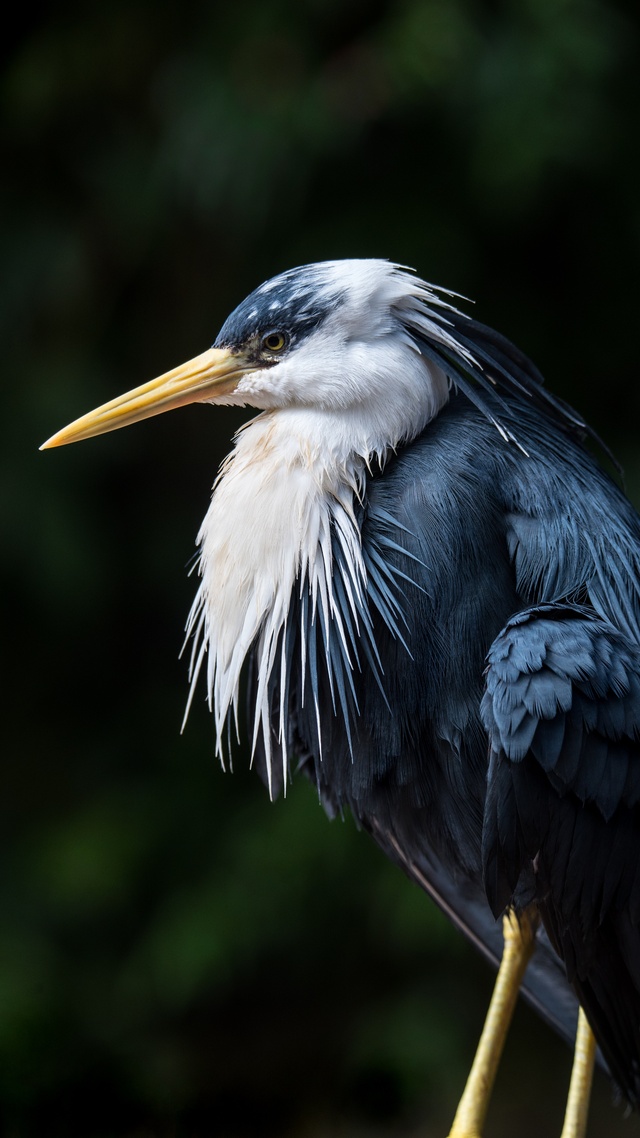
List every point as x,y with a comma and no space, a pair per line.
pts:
274,341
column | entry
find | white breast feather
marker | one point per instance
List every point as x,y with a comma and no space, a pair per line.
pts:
269,525
355,389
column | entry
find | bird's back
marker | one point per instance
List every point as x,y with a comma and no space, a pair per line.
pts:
461,531
470,531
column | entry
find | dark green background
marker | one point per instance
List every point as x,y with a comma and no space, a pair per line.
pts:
178,956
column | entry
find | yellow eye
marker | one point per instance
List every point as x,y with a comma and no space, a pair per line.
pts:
274,341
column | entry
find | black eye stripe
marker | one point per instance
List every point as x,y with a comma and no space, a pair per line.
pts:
294,301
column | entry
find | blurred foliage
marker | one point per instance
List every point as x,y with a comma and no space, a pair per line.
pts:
178,956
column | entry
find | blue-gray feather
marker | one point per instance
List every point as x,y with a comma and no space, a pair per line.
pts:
522,785
295,301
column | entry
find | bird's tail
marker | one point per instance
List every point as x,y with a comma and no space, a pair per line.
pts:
464,902
610,996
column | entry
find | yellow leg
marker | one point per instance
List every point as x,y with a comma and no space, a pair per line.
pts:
519,941
575,1119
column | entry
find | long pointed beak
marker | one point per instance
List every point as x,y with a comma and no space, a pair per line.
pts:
208,376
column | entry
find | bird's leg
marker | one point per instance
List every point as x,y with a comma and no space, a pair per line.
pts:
575,1119
519,940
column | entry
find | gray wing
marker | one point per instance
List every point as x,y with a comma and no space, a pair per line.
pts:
562,816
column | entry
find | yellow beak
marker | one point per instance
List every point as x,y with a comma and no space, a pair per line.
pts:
215,373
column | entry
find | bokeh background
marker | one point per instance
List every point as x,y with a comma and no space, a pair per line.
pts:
178,956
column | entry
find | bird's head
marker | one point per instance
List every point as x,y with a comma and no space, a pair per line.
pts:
338,336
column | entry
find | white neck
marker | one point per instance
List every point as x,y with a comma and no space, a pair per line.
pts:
283,495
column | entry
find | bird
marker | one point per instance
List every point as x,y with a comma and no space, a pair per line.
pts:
417,558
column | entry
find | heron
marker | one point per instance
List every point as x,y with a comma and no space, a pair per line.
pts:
433,586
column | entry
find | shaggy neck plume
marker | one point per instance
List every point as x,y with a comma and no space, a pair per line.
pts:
282,528
292,508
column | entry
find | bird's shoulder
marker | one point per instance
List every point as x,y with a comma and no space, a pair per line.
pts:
462,493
